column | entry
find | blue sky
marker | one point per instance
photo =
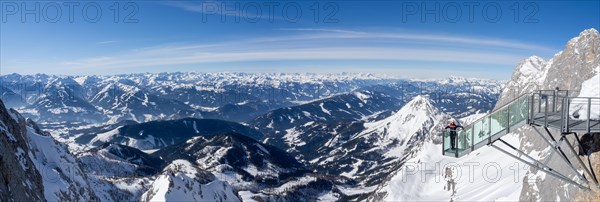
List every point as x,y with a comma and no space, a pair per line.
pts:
423,39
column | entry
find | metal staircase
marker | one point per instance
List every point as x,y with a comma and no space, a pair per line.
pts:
547,109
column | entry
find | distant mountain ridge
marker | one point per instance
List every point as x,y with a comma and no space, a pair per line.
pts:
236,97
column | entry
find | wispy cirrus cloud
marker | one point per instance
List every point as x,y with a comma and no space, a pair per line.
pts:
106,42
325,45
348,53
492,42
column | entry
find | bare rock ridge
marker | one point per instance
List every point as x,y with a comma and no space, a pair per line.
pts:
566,70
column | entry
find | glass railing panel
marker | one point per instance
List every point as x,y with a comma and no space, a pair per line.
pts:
512,111
496,122
481,130
538,105
524,108
504,118
464,138
447,144
518,111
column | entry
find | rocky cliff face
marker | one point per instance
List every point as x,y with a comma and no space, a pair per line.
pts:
19,178
34,166
567,70
576,63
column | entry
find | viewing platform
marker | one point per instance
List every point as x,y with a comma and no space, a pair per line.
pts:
546,108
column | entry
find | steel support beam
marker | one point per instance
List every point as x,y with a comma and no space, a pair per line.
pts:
543,169
563,156
537,163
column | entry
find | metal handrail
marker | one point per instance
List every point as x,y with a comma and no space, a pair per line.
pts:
500,108
470,135
565,109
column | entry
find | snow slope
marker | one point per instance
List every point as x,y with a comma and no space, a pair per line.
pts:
484,175
589,88
381,147
62,176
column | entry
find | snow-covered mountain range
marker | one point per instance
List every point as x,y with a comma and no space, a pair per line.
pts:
134,143
229,96
270,137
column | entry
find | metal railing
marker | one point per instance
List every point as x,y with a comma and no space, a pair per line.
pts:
579,113
565,113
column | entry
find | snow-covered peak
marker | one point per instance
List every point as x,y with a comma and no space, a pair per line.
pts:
583,46
529,75
411,122
181,181
419,104
415,112
531,70
382,145
181,166
583,36
589,31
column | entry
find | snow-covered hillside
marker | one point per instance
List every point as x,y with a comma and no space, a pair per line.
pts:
181,181
371,155
159,134
120,101
250,168
62,99
485,175
46,162
61,172
589,89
